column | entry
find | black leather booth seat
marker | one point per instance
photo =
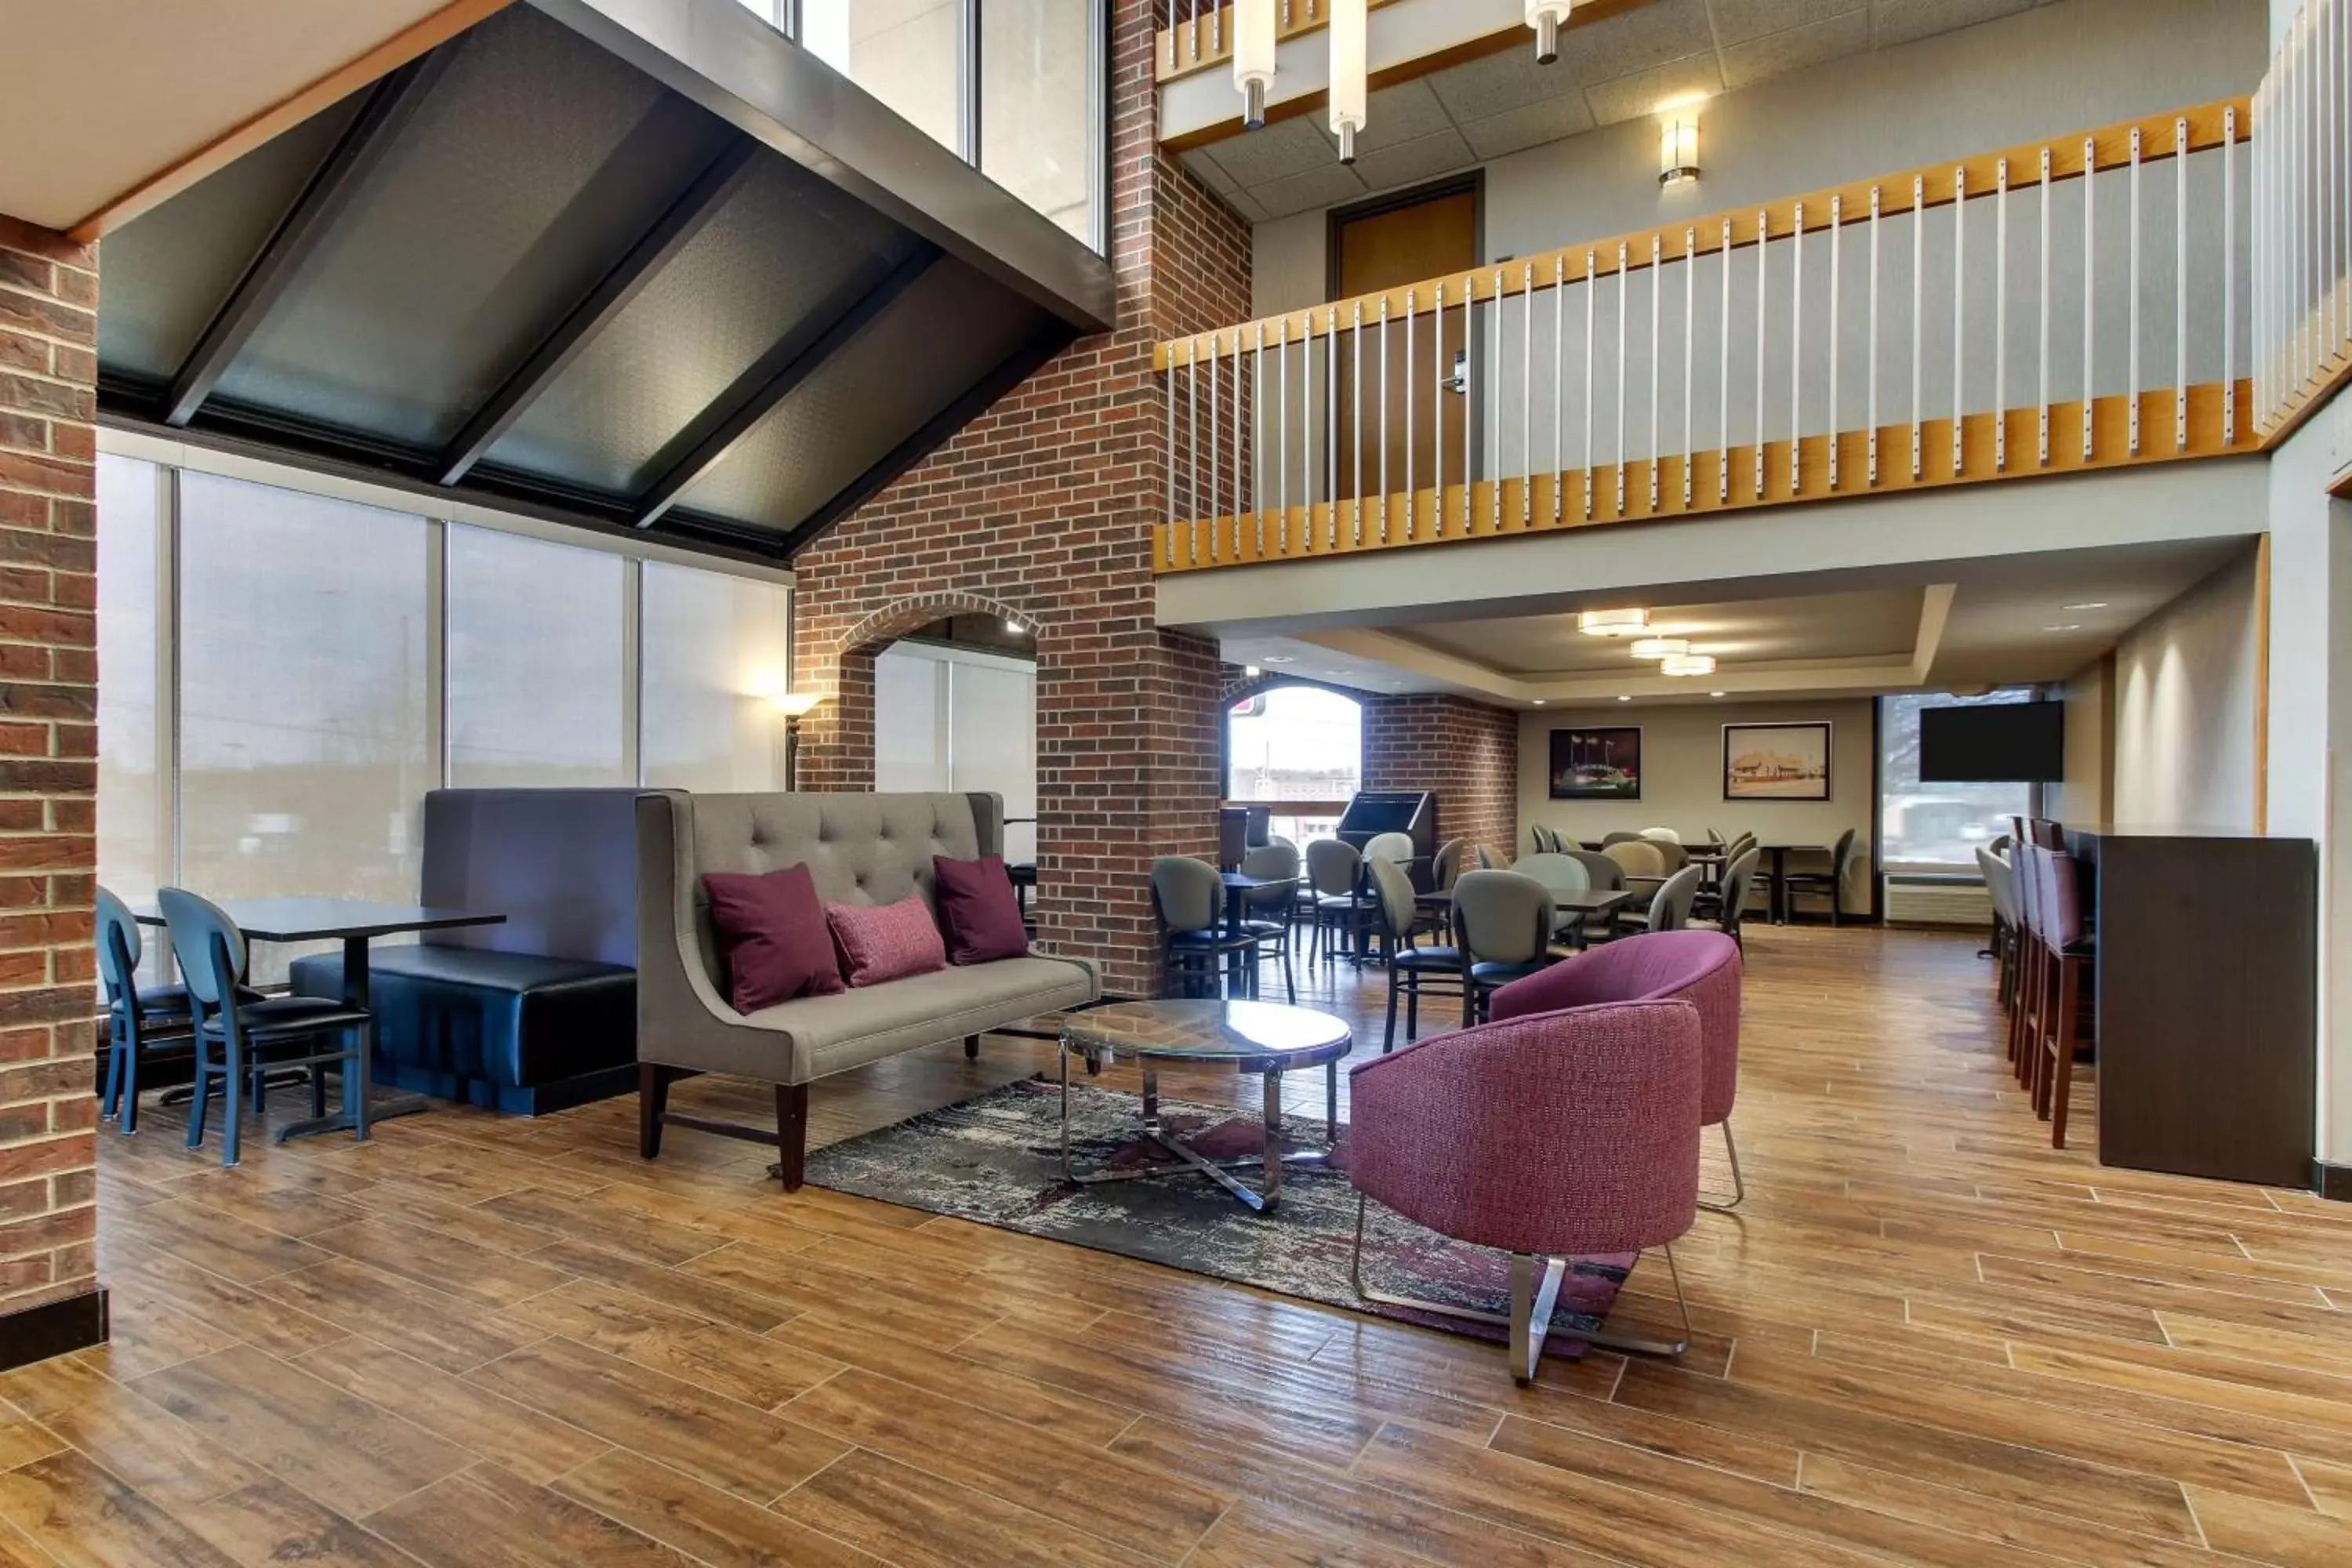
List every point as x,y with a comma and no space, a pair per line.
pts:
517,1033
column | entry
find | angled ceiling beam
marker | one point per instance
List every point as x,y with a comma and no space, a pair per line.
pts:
610,296
1010,372
771,379
304,230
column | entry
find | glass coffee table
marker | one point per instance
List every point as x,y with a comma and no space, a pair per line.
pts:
1262,1038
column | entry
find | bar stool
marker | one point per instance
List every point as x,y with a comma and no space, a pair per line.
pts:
2064,950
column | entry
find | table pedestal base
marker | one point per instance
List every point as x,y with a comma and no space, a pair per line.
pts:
1270,1164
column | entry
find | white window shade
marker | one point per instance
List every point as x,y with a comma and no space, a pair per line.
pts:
306,704
715,649
132,769
957,719
537,664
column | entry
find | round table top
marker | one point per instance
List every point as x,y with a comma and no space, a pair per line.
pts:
1254,1035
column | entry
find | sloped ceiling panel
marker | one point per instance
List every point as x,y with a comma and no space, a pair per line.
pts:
542,268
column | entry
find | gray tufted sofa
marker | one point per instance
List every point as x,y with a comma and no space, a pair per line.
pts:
860,850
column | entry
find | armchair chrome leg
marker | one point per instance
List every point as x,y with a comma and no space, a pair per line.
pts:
1738,1184
1533,1299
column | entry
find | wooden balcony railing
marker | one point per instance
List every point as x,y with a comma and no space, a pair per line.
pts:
2303,219
2081,304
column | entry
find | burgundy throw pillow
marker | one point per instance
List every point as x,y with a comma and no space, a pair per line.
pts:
885,942
978,906
771,931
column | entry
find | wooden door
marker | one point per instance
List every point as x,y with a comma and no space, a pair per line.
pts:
1434,237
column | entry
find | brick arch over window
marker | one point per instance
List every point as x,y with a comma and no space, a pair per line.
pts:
837,739
1240,689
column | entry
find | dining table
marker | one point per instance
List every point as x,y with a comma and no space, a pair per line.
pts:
1777,856
1239,886
355,924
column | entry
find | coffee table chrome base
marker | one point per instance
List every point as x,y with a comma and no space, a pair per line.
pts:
1271,1164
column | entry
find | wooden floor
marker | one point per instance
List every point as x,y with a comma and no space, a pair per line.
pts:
1928,1338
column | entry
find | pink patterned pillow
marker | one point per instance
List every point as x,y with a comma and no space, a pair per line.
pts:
885,942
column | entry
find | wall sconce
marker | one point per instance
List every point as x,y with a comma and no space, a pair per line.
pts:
1678,147
795,706
1254,51
1547,17
1348,89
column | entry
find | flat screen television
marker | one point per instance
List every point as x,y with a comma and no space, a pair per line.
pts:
2002,742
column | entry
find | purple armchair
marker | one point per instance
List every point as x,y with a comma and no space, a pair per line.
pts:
1701,967
1560,1135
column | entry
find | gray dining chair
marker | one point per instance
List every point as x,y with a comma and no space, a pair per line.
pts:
1270,914
1619,837
1186,894
1560,874
1412,970
1342,905
1827,884
137,1018
1502,925
237,1041
1670,907
1389,846
1730,907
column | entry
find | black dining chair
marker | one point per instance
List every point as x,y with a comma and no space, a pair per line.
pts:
1827,884
237,1041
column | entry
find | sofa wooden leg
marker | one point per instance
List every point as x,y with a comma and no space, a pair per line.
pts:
791,1134
653,1101
972,1047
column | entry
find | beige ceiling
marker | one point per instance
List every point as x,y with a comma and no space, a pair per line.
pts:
1617,69
103,95
1998,620
1878,624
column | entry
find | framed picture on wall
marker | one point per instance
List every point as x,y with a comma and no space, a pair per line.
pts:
1776,761
1596,764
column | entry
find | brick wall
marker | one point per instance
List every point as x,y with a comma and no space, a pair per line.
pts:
1467,752
1040,510
49,743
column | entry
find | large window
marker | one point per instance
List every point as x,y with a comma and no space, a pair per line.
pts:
538,663
1937,828
1031,115
271,727
949,718
1296,746
717,649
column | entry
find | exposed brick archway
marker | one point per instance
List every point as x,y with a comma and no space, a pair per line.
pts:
837,739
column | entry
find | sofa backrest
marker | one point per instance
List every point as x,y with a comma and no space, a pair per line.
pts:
559,864
859,848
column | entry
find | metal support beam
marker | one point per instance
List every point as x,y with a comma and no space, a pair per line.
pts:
771,379
610,296
302,234
1010,372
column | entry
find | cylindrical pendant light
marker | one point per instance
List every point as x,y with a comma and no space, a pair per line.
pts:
1688,664
1613,623
1660,647
1546,16
1348,91
1254,48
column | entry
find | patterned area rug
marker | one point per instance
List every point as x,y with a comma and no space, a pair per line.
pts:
997,1160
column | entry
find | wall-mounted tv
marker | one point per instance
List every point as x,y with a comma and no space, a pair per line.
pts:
2001,742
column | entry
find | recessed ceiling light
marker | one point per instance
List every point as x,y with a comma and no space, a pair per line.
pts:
2087,605
1281,658
1715,694
1013,628
1613,623
2065,626
1659,648
1625,700
1540,701
1250,670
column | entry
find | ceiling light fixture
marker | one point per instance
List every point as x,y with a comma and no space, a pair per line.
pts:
1540,701
1678,147
1660,647
1719,694
1613,623
1015,629
2087,605
1254,51
2067,626
1546,17
1249,672
1348,89
1625,700
1279,658
1687,664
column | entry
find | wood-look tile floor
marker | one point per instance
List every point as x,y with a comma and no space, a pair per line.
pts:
1928,1338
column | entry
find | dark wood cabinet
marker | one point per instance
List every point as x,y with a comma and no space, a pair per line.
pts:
2207,996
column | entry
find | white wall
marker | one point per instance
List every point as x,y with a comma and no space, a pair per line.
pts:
2185,704
1681,777
2084,797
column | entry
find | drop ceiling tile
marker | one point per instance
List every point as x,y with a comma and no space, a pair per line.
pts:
1530,125
1421,159
1737,21
1632,97
1274,151
1499,83
1780,53
1901,21
1396,115
1206,168
1637,40
1326,186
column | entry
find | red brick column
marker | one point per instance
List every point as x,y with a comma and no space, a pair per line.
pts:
1041,510
49,1299
1467,752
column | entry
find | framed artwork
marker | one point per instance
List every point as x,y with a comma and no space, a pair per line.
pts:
1776,761
1596,764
